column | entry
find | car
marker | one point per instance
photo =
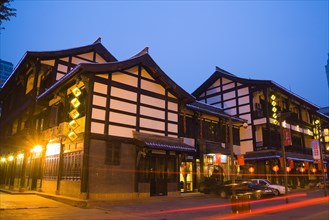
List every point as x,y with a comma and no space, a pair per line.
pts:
278,189
244,187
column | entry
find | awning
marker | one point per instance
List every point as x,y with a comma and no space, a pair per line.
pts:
271,154
162,143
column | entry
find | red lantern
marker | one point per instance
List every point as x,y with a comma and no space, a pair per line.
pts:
251,169
302,169
325,170
313,170
275,168
288,169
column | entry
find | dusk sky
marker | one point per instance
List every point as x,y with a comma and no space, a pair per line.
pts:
283,41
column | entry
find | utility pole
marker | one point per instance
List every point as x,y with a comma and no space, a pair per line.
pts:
281,117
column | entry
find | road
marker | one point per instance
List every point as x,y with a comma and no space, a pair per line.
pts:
306,205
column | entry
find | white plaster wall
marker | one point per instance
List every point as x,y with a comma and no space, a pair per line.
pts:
124,78
99,100
229,95
123,94
100,88
154,87
122,118
152,101
123,106
173,106
98,114
120,131
147,123
97,128
152,112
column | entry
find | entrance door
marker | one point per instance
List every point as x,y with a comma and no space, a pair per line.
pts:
158,176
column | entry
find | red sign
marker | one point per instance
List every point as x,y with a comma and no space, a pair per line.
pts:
316,149
241,160
287,137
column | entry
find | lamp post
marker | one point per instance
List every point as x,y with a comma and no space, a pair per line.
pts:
233,173
281,116
317,123
230,124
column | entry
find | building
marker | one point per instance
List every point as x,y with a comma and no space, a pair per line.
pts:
6,68
260,102
80,123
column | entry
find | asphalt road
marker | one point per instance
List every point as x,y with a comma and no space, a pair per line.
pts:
305,205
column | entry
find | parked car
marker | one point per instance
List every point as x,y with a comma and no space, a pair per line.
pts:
244,187
278,189
224,190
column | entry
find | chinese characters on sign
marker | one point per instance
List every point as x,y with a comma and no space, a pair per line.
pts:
316,149
287,137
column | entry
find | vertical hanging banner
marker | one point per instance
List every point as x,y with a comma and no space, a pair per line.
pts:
316,149
287,137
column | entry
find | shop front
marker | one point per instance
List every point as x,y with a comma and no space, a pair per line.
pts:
302,170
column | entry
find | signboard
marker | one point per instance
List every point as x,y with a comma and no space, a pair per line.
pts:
241,159
316,149
287,137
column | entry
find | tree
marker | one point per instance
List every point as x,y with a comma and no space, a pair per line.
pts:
6,12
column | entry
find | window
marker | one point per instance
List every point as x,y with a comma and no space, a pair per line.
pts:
112,156
72,166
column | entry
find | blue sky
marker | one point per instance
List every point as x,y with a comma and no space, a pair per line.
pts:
283,41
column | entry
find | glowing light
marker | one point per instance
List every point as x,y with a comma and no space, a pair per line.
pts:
275,116
284,124
3,159
72,135
317,121
274,109
76,91
313,170
75,102
20,156
302,169
288,169
251,169
73,124
273,97
11,158
275,168
53,149
74,114
275,122
273,103
36,149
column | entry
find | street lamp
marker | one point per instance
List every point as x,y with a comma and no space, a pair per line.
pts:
320,134
281,117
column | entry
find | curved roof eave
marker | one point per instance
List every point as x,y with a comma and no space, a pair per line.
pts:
220,72
141,58
213,110
146,60
97,46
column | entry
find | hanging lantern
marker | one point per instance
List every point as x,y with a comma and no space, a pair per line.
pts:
325,170
275,168
288,169
313,170
251,169
302,169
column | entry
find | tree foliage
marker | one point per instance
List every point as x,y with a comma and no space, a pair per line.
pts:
5,11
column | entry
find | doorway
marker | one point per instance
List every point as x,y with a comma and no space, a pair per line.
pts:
158,176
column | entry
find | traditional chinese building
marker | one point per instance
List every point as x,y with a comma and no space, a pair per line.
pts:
79,123
260,102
